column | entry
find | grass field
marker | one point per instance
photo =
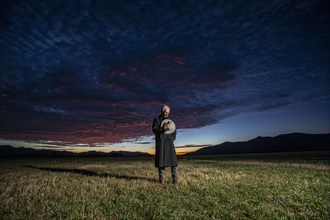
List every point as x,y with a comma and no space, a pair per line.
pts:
273,186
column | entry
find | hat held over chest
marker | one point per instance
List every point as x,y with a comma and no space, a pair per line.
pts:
169,121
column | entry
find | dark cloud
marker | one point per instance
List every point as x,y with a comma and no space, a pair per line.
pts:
194,146
144,142
98,71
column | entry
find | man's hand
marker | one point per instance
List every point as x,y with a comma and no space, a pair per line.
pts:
167,126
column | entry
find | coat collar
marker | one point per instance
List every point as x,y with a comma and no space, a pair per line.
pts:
161,117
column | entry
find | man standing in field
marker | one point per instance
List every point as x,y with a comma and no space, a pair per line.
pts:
165,151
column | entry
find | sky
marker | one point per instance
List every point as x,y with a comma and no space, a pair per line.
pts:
91,75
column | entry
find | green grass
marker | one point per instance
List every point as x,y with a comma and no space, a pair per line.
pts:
210,188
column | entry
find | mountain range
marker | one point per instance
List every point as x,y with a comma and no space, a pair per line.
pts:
9,151
294,142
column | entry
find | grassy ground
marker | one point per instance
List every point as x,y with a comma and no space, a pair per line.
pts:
210,188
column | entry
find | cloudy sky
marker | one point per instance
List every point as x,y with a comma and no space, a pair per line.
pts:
80,74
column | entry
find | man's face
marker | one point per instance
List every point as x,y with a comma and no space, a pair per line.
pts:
166,112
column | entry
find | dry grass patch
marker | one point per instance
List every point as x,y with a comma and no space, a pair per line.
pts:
101,188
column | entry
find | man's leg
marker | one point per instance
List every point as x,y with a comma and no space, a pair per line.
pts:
161,171
175,174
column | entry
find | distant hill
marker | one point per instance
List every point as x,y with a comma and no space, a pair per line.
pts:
9,151
128,154
294,142
115,154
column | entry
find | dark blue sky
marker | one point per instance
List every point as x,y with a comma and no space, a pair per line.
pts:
99,71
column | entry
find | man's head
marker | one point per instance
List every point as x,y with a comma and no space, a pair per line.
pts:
165,111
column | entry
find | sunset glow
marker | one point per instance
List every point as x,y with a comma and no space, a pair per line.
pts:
91,75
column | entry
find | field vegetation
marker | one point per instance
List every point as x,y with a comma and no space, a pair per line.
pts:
273,186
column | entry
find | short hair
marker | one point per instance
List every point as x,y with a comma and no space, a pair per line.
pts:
165,107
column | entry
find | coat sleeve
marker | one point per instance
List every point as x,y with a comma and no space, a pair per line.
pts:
174,135
156,128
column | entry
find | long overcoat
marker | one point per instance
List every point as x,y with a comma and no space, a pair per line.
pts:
165,152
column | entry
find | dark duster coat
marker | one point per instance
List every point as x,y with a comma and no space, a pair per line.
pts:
165,151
